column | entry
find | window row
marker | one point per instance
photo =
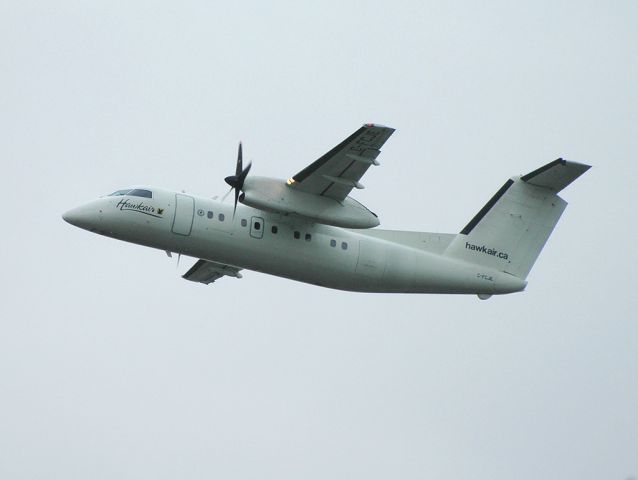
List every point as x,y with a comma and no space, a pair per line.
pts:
344,245
274,229
211,215
257,225
296,234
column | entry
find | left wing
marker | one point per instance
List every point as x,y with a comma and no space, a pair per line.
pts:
207,272
337,172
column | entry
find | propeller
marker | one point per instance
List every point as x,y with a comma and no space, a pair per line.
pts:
236,181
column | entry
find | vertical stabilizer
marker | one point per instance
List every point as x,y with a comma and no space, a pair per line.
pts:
509,232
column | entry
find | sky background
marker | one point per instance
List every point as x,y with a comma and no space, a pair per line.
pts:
112,366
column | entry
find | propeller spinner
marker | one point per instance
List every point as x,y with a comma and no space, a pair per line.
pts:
236,181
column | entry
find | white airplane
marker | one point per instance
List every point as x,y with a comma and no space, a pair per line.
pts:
309,229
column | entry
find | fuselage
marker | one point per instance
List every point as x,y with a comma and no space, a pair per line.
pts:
283,245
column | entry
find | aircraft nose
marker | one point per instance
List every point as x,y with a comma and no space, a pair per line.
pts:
74,216
82,217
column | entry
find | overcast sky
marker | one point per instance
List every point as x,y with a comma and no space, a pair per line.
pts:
112,366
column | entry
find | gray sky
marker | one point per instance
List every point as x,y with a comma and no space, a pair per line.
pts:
112,366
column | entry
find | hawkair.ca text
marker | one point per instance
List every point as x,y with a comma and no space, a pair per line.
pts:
487,250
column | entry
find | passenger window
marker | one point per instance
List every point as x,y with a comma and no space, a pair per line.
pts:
221,217
333,243
308,237
210,214
243,222
344,246
274,229
257,226
297,235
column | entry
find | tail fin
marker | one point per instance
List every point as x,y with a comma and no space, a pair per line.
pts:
509,232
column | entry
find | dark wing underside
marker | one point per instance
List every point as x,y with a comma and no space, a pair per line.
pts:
337,172
207,272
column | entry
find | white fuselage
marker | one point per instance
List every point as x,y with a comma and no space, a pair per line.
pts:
286,246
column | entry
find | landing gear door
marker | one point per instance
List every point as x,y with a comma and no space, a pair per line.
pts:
184,213
256,227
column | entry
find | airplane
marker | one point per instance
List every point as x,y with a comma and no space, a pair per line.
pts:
308,228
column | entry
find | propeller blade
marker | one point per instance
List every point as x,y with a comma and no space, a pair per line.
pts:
243,175
239,166
236,199
236,181
226,194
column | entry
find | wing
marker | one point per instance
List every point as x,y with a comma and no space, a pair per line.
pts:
207,272
337,172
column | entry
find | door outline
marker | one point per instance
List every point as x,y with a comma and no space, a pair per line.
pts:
371,261
184,215
259,232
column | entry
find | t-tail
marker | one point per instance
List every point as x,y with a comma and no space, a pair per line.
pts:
509,232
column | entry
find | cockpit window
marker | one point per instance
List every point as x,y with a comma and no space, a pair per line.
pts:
136,192
141,193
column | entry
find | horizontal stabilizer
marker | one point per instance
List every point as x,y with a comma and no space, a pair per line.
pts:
556,175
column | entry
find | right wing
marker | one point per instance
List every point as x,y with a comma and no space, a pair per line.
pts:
207,272
337,172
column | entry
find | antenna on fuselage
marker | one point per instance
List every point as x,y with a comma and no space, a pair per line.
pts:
170,255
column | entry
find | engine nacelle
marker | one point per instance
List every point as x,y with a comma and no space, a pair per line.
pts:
273,195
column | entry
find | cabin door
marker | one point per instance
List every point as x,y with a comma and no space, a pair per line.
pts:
184,213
